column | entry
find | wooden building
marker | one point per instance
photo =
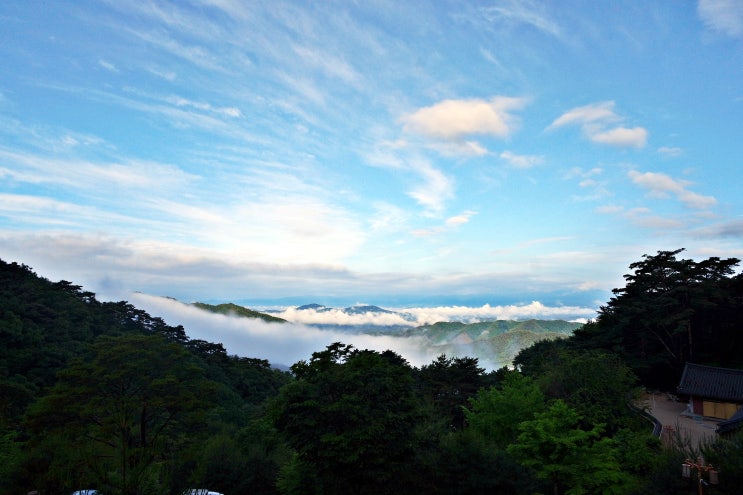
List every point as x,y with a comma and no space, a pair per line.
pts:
712,392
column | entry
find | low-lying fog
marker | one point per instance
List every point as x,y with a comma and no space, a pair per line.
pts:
287,343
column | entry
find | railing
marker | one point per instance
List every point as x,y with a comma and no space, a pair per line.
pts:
657,427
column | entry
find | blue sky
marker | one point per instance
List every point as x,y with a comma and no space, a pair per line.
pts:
392,153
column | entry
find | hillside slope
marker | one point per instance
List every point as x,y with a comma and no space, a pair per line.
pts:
232,309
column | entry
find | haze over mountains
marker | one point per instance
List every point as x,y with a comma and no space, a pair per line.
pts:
287,335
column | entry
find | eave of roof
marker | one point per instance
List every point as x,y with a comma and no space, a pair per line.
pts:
711,382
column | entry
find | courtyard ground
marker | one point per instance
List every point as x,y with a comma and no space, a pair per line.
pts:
673,415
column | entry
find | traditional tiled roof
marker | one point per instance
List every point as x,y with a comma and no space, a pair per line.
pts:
712,383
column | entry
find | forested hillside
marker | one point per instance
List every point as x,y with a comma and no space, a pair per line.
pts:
491,341
103,395
672,311
232,309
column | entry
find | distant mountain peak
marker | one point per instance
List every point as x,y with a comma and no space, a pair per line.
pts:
365,308
313,306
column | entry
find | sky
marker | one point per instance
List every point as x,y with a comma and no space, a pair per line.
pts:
476,154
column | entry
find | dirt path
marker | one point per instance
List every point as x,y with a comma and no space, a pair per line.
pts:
672,414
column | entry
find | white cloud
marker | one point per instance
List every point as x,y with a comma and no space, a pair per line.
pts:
521,161
417,316
435,190
51,213
609,209
596,112
454,119
697,201
287,343
723,16
336,316
449,223
388,218
661,185
622,136
653,222
279,343
486,312
460,219
184,102
599,123
584,174
460,148
91,177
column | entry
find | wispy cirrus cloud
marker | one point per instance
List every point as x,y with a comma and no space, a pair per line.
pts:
107,65
521,12
449,224
93,178
179,101
670,151
436,187
521,161
722,16
601,124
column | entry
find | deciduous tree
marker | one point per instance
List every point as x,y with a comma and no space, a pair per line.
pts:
576,461
351,417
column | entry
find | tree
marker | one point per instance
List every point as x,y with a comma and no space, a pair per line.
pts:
495,413
533,360
468,464
447,383
597,384
118,416
672,311
351,417
726,454
575,461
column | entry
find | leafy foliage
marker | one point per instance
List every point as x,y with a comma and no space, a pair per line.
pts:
350,415
61,352
598,385
101,394
447,384
672,311
574,460
128,407
496,413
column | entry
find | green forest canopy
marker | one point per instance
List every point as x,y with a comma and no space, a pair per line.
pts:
102,394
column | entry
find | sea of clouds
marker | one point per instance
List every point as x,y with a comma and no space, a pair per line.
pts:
296,340
414,317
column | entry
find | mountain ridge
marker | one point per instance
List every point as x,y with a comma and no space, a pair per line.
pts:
491,341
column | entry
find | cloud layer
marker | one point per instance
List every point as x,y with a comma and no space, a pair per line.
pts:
291,342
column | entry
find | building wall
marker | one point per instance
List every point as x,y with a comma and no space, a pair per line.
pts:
714,409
